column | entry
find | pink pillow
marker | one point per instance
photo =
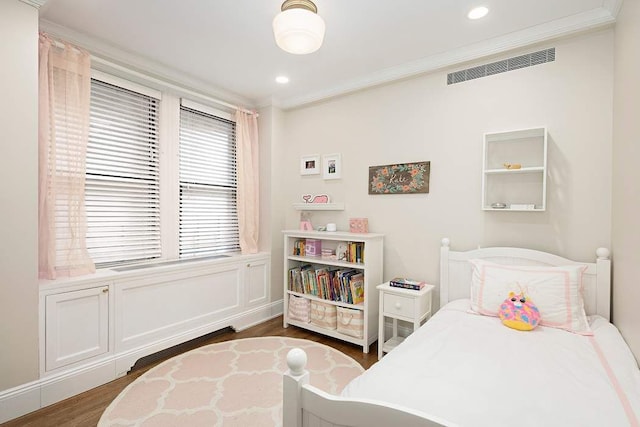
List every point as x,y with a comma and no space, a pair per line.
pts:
557,292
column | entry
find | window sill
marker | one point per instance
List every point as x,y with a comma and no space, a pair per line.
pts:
163,267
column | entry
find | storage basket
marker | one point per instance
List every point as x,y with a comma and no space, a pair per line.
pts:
351,322
323,315
299,309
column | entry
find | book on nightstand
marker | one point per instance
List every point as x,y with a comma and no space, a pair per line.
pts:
401,282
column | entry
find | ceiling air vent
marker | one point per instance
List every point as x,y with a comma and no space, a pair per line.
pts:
515,63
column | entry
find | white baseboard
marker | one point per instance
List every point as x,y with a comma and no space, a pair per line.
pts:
32,396
20,400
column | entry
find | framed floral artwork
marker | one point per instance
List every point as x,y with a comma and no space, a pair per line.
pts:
402,178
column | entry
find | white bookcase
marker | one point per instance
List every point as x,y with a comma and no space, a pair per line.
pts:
371,267
522,189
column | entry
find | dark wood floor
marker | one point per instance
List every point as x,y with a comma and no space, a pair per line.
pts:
85,409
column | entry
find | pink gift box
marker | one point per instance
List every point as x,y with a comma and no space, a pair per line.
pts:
358,225
313,247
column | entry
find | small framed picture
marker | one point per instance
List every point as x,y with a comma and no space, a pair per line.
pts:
309,165
331,166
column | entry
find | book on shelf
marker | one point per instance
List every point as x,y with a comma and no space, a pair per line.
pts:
340,285
355,252
356,285
401,282
299,247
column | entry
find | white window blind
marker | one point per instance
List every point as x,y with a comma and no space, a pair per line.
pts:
122,182
208,185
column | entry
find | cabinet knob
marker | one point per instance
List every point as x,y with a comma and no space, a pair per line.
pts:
105,290
398,306
248,265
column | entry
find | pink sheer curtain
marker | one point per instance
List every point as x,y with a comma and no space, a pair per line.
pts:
63,132
248,181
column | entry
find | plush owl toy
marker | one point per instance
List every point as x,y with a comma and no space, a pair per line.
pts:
519,312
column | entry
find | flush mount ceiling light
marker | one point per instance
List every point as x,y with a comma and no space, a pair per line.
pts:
478,12
283,80
298,28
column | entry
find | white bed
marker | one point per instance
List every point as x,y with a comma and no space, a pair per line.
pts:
469,370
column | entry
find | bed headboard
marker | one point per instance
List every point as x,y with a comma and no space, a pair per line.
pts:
455,273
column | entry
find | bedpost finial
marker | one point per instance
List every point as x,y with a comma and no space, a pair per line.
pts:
602,253
296,361
445,242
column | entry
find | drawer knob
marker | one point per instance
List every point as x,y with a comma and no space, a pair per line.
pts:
398,306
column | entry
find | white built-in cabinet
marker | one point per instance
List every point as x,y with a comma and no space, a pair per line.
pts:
518,189
77,326
371,267
257,282
94,328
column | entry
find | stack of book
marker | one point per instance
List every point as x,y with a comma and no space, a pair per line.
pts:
401,282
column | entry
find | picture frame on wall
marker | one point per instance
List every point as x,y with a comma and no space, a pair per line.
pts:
401,178
310,165
331,166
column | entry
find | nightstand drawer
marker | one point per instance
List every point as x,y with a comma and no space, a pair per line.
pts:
399,305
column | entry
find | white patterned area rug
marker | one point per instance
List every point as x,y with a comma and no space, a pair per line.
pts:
233,383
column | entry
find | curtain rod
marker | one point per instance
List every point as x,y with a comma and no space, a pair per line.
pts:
171,85
125,70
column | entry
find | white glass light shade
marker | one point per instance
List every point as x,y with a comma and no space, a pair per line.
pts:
298,31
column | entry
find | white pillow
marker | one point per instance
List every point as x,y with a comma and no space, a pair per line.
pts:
556,291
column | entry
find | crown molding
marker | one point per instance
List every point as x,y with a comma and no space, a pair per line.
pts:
35,3
141,65
613,6
596,18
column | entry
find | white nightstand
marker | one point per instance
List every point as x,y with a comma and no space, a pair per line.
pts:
401,304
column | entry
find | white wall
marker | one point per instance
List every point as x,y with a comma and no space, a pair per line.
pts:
626,176
18,194
424,119
271,176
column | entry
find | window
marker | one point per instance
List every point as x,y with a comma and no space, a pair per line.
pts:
208,220
123,176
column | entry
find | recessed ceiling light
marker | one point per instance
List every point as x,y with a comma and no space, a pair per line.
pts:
478,12
282,80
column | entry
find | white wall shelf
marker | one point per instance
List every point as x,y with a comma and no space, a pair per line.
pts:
515,187
319,206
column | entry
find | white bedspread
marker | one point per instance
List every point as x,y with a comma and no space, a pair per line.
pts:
473,371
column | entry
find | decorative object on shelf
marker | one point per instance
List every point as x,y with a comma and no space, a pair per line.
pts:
341,251
328,253
310,165
320,198
298,28
499,205
402,178
512,165
331,227
313,247
358,225
305,221
331,166
306,225
523,206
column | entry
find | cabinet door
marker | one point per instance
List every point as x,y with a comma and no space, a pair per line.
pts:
77,326
257,282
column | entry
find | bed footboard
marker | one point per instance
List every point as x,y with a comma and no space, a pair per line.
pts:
305,405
